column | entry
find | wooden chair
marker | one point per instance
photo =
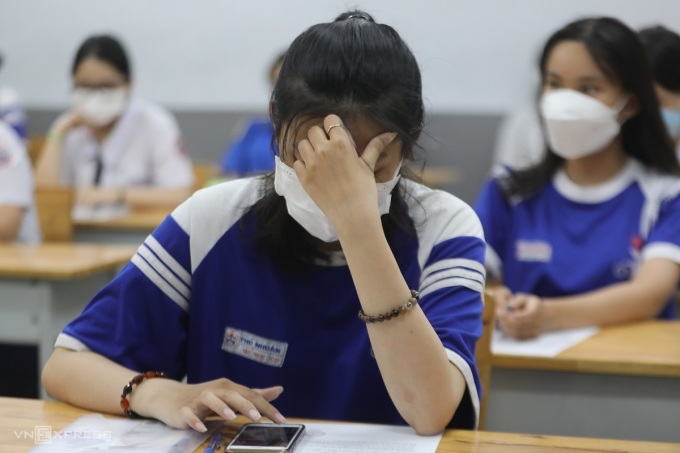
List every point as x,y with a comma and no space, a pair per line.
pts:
483,352
203,172
35,146
54,206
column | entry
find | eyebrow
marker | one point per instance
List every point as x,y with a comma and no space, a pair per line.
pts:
588,78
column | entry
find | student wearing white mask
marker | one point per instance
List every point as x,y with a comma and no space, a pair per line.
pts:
588,236
663,50
114,148
306,279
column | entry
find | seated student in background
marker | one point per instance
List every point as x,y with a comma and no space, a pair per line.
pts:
591,234
263,277
115,149
254,151
12,110
18,219
663,50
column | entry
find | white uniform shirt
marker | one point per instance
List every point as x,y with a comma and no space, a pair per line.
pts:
143,149
16,183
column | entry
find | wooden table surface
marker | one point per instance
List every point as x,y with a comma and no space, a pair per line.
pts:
17,415
649,348
59,261
145,220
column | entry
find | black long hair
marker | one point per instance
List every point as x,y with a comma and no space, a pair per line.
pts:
663,50
351,67
618,52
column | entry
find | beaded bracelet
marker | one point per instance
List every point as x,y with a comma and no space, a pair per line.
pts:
408,306
124,402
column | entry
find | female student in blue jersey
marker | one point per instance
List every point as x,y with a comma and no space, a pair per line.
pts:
590,235
254,286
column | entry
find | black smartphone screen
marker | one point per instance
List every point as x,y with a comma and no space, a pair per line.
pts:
266,436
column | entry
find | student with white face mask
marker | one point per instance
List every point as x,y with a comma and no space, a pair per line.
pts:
115,149
591,234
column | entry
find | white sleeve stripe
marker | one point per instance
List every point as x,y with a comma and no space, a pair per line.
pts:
168,260
66,341
453,262
465,370
157,265
665,250
450,282
163,285
457,272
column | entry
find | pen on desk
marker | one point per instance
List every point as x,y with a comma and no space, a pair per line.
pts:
214,444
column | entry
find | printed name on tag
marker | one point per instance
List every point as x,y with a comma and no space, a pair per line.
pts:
254,347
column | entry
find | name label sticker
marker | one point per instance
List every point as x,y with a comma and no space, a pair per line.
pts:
538,251
253,347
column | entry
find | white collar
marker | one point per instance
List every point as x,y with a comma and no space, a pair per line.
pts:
600,192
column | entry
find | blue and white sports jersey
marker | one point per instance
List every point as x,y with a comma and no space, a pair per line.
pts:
569,239
198,299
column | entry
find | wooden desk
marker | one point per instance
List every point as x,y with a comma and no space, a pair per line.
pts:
623,382
22,415
132,228
44,287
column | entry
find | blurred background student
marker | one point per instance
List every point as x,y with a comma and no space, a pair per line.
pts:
590,235
18,219
11,108
663,50
114,148
253,152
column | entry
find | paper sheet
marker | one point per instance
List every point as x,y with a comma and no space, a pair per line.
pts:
548,344
96,433
364,438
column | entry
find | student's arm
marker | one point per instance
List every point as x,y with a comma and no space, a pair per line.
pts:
92,381
424,386
10,221
48,167
639,299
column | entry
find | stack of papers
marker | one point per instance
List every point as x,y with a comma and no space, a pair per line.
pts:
547,344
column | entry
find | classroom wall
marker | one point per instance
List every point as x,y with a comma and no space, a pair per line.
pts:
207,59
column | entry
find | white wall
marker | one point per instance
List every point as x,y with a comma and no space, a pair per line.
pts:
476,55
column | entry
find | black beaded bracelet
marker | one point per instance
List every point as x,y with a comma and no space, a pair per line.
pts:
408,306
124,403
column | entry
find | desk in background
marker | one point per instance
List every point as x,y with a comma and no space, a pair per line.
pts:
131,228
23,415
44,287
623,382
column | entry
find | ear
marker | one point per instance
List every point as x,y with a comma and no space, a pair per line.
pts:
631,109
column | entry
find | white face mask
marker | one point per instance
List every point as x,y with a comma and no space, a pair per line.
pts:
577,124
302,208
100,106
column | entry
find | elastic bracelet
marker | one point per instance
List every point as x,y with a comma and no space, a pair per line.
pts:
124,402
408,306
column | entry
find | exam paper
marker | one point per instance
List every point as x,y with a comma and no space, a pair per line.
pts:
547,344
96,433
364,438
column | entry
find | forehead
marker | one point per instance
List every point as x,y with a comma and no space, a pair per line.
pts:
572,59
92,70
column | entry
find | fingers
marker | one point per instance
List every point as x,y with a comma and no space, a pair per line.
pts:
375,147
252,403
522,318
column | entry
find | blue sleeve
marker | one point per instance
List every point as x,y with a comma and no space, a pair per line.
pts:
495,213
140,318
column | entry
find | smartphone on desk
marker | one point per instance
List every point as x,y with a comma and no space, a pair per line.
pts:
266,438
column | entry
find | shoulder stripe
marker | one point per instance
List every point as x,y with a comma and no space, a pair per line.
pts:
452,263
450,282
168,260
169,290
453,273
158,266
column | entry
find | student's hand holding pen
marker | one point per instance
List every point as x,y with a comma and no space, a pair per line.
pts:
520,316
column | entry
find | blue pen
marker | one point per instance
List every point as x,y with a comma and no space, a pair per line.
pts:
214,443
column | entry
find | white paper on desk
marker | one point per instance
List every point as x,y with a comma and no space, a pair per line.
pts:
364,438
547,344
96,433
98,213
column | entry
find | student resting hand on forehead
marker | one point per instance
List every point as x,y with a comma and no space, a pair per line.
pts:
113,148
254,286
590,235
